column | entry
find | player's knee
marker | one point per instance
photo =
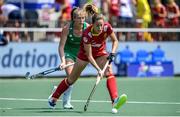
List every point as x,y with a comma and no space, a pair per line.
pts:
110,75
108,72
70,81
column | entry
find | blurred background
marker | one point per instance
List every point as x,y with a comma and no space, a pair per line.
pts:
148,32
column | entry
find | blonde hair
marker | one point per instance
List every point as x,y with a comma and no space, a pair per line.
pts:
77,12
90,9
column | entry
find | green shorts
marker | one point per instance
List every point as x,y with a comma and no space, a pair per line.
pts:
70,55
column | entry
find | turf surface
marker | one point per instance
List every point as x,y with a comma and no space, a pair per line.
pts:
146,97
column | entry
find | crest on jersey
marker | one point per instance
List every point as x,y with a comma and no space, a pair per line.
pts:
105,28
85,39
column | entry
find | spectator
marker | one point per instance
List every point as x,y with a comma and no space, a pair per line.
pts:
143,13
31,20
13,36
114,11
46,11
125,17
3,18
143,19
11,11
159,14
173,13
105,9
65,11
13,14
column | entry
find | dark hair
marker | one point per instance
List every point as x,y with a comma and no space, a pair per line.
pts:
72,13
97,16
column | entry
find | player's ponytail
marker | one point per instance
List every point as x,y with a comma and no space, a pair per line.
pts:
90,9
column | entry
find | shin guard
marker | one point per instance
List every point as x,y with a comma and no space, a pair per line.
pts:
112,86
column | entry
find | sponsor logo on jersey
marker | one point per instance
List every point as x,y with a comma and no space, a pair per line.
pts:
96,45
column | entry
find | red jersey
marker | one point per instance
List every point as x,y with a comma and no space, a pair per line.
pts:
158,21
114,7
98,42
66,13
171,10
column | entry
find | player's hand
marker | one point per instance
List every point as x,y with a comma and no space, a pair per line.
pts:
111,57
100,73
62,65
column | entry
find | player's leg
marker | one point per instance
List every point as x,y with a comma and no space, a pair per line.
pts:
111,81
64,84
112,85
67,94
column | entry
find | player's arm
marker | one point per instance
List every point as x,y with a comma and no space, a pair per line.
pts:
62,42
177,14
88,50
114,42
164,13
113,38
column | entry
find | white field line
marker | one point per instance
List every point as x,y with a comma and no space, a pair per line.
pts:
6,108
95,101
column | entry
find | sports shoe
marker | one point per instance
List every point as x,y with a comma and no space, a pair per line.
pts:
51,102
68,106
118,102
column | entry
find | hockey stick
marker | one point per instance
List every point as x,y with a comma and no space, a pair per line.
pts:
43,73
95,85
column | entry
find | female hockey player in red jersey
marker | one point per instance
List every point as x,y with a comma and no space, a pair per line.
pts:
93,50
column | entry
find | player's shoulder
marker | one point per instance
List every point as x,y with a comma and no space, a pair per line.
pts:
107,26
87,24
88,29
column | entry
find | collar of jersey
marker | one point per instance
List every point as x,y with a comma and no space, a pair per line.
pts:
93,33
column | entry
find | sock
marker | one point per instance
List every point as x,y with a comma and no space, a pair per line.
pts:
112,86
62,87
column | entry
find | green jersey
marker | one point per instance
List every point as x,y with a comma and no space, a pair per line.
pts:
72,43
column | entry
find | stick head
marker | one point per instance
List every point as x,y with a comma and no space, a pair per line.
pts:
85,108
27,76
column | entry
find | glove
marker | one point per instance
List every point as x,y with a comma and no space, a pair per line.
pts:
111,57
